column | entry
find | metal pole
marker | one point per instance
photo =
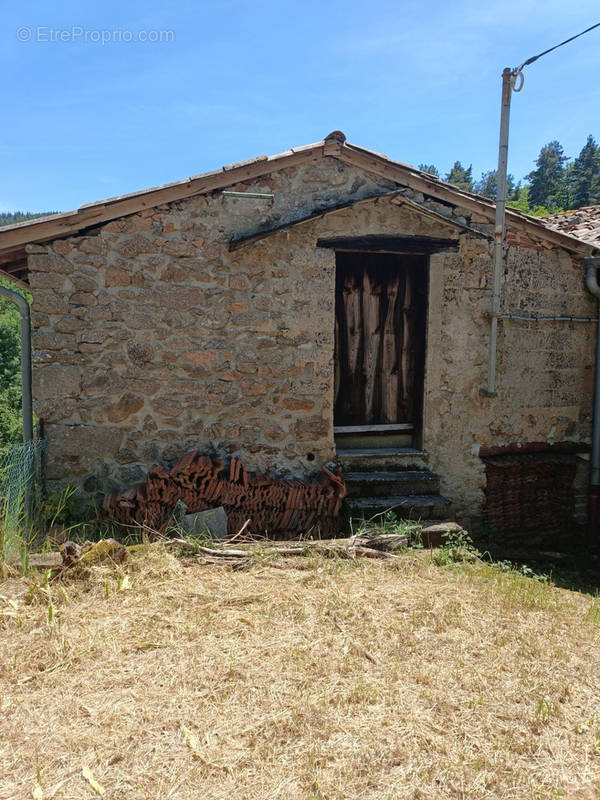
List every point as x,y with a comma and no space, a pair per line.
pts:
507,78
25,360
512,80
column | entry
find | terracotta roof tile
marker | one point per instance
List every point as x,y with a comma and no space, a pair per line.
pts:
583,223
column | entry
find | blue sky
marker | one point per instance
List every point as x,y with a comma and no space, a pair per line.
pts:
419,81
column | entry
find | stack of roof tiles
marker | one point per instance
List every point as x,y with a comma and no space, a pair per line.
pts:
583,223
278,508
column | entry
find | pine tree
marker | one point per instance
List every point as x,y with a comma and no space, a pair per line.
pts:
431,168
461,178
487,185
548,186
584,176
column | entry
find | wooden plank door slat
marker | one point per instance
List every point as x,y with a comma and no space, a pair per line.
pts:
379,338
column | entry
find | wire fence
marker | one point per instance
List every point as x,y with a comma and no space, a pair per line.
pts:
21,490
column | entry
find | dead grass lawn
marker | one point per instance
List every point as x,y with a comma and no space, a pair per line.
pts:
325,680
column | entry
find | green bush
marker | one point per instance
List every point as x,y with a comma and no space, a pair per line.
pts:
10,370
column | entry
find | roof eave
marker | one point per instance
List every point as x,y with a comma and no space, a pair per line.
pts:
429,184
14,238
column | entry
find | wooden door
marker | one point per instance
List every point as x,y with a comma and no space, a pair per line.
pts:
380,338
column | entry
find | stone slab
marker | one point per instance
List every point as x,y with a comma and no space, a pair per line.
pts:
212,522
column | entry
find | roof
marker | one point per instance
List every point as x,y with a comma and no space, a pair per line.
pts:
583,223
14,238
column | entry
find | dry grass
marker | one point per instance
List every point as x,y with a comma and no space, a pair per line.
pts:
327,679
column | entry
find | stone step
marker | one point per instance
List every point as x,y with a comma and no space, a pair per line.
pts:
391,483
398,427
374,439
413,507
380,459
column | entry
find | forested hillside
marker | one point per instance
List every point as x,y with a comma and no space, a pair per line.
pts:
10,218
558,183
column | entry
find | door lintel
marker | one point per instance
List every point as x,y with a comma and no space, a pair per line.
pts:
414,245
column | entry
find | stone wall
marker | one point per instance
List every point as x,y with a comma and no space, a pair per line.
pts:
545,369
151,337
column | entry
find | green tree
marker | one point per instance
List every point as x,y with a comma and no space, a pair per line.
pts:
9,344
520,199
487,185
431,168
461,177
10,369
10,351
547,182
11,423
584,176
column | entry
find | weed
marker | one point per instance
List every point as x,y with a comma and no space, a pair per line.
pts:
13,529
544,709
60,507
521,590
458,547
511,567
593,612
21,531
200,539
388,522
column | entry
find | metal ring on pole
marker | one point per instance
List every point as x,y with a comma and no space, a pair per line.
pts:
517,80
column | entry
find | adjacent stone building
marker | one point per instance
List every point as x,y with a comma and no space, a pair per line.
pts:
286,308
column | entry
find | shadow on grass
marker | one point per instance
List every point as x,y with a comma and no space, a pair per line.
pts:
571,563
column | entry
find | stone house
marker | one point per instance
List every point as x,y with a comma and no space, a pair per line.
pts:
325,304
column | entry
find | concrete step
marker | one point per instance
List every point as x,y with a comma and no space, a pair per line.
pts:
370,459
414,507
391,483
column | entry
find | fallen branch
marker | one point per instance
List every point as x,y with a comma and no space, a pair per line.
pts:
374,546
344,548
369,552
241,531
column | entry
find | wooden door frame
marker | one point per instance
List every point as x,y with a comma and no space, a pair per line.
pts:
373,246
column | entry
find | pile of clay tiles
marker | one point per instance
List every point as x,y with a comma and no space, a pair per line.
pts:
583,223
275,507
